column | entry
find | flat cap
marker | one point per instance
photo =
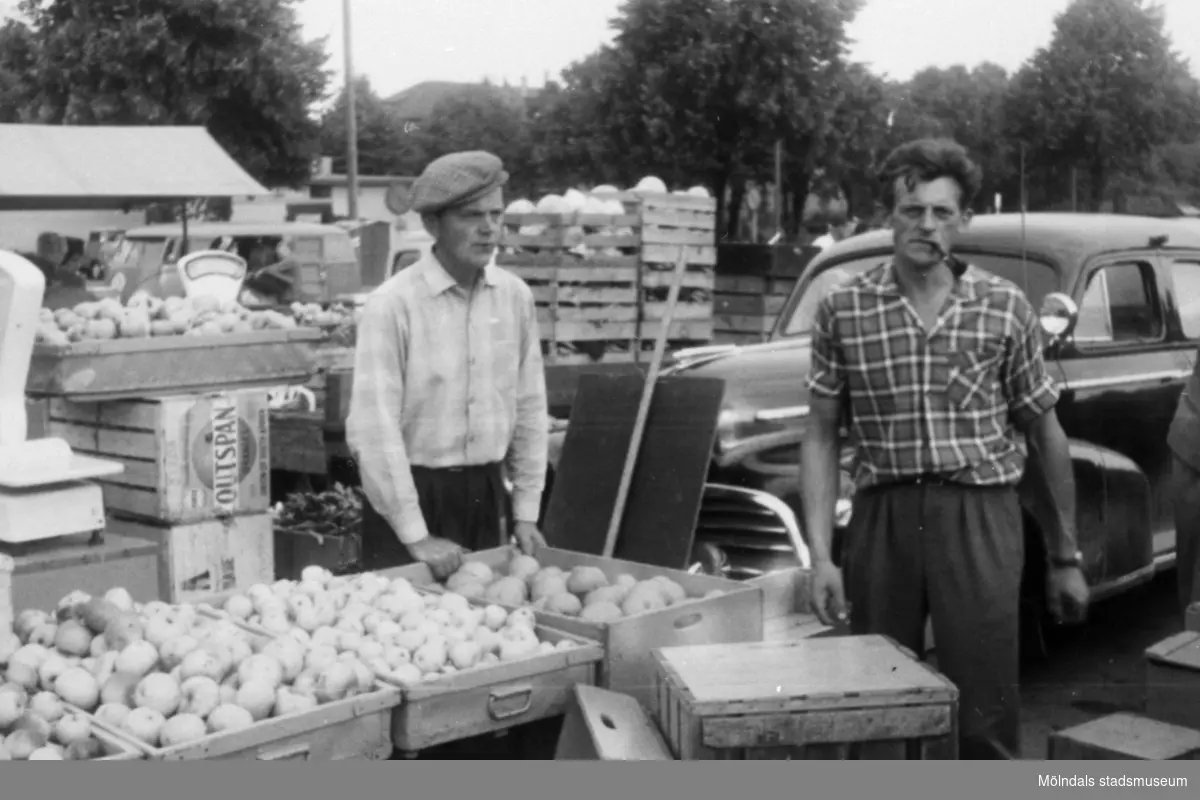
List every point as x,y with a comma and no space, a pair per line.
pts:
456,179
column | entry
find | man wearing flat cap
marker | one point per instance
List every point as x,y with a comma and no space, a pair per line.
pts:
448,385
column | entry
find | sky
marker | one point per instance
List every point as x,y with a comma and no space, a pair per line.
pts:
397,43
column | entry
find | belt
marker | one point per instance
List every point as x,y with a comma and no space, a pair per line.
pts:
924,479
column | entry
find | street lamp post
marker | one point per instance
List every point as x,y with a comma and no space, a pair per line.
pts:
351,119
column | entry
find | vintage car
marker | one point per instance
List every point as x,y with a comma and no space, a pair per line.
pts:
1118,299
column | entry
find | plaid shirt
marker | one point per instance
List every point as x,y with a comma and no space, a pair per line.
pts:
445,377
948,402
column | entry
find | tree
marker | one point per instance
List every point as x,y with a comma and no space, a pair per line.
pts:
967,106
242,70
482,117
698,91
1101,97
384,146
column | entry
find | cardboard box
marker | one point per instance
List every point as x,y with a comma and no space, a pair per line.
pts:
187,458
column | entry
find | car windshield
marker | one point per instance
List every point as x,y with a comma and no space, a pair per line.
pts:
1036,278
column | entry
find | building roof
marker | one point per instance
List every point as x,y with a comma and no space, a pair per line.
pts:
48,167
418,101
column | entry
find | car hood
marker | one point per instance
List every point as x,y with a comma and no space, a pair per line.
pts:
758,378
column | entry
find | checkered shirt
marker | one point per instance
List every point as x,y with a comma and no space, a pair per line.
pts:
949,402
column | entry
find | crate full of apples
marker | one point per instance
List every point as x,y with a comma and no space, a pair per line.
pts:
629,608
464,669
176,681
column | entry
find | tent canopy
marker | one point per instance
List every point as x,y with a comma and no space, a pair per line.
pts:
59,167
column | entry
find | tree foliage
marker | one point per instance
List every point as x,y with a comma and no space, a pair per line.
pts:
1101,97
241,69
385,147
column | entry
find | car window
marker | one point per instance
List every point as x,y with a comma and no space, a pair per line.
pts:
1119,305
1186,277
1037,279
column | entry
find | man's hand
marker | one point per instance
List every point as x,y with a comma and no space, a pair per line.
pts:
529,538
1067,594
442,556
827,593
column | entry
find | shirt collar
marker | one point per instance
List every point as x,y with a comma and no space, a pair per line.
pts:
968,287
440,281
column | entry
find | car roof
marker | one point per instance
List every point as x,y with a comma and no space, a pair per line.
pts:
1067,240
236,229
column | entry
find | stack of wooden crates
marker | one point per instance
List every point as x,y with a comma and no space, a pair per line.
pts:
752,288
601,280
197,482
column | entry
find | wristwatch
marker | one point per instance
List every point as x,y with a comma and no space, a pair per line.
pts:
1067,562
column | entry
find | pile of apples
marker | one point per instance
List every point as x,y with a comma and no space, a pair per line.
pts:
166,674
314,315
402,635
144,316
585,592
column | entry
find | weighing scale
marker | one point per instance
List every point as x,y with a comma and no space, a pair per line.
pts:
46,490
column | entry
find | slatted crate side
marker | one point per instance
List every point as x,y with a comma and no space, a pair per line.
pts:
178,466
526,233
671,221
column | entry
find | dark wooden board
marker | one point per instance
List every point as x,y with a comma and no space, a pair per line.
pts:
668,481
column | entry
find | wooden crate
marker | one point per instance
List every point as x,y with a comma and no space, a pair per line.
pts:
1173,680
297,442
295,550
671,221
1124,737
787,615
486,700
187,458
8,611
843,697
116,748
355,728
45,570
199,560
628,666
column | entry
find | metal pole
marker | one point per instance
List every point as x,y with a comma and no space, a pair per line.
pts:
351,120
778,187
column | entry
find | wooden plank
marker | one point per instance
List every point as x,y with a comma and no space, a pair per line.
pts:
653,218
1125,737
661,279
514,261
674,237
675,201
584,293
606,726
741,284
658,253
812,674
691,330
595,314
828,727
589,331
583,359
560,220
684,312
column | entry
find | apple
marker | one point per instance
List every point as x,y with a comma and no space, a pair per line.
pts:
9,644
105,667
113,714
239,606
46,705
405,674
71,728
119,689
159,692
368,649
13,702
181,729
45,754
137,658
50,669
290,702
120,598
203,662
229,717
26,621
21,743
156,608
199,695
89,749
123,631
98,647
257,697
160,630
465,654
335,682
289,653
260,668
145,724
173,650
320,656
44,634
78,687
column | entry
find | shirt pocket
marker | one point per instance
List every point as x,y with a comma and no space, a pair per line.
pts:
974,378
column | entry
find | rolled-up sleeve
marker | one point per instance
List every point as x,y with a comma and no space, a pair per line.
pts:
1029,389
827,375
527,453
373,426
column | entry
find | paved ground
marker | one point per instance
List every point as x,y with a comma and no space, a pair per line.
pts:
1097,668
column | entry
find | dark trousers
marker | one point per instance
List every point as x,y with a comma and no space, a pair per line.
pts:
467,505
953,554
1186,496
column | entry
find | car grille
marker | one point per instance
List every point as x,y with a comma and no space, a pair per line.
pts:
745,533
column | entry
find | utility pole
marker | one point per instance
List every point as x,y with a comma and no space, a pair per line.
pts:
779,189
351,119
